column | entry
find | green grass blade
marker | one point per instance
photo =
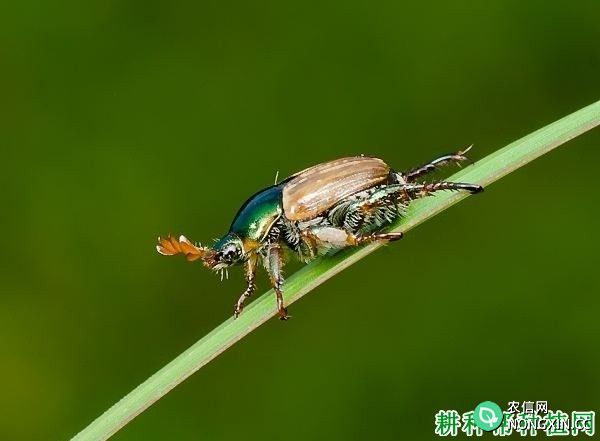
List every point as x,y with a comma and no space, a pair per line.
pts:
486,171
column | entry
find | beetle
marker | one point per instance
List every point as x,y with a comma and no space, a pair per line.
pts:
337,204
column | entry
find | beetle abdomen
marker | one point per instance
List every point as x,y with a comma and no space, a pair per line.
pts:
312,191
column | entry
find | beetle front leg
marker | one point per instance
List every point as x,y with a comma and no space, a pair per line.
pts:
274,264
250,270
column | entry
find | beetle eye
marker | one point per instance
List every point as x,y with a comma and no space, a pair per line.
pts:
230,253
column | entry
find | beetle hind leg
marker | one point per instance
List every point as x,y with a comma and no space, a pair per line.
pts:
372,211
326,239
364,239
434,165
421,190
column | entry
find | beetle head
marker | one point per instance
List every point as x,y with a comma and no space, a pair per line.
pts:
228,251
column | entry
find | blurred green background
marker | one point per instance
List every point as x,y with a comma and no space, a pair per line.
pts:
123,120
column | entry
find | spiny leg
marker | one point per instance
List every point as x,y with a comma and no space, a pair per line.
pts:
331,238
250,270
372,210
414,191
376,237
273,264
424,169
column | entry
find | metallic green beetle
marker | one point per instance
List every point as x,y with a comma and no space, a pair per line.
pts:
334,205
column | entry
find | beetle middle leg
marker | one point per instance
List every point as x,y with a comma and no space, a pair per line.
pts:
250,270
273,262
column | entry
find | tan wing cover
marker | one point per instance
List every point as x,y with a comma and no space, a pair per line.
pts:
319,188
